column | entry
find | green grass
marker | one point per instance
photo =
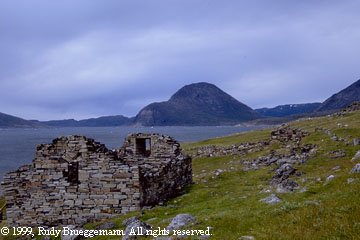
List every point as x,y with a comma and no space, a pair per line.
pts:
230,204
251,136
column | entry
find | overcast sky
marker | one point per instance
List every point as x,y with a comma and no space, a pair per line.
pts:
87,58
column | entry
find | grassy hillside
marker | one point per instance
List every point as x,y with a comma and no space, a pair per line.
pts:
229,200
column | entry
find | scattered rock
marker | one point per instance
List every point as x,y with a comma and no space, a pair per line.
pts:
234,150
152,219
247,238
284,161
105,226
287,186
286,134
127,221
312,203
336,168
284,172
265,191
356,141
356,169
337,154
350,180
179,221
133,225
272,199
330,178
355,106
280,179
356,156
299,174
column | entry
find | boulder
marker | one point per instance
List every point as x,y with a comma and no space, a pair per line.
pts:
105,226
283,161
329,178
356,141
337,154
356,156
350,180
356,169
284,172
179,221
132,226
335,168
287,186
272,199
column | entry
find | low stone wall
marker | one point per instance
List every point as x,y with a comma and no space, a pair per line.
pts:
164,180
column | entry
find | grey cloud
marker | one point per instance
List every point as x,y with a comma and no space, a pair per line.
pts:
63,59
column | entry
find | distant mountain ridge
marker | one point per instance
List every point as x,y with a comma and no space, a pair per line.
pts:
201,104
196,104
288,109
8,121
106,121
341,99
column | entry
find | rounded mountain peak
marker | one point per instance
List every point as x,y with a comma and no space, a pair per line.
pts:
197,91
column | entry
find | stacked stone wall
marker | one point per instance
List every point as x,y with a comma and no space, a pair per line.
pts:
75,180
164,172
164,180
41,194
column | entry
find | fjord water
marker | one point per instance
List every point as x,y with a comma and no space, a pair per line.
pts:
17,146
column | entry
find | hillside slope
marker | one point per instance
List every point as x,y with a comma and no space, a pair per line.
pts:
229,188
196,104
8,121
342,99
288,109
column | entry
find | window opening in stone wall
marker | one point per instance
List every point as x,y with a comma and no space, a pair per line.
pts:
143,146
73,173
148,144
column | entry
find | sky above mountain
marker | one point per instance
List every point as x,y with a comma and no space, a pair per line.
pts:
80,59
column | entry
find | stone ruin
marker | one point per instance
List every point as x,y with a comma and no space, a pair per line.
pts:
287,134
75,180
355,106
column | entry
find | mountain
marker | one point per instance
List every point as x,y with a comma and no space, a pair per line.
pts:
197,104
288,109
8,121
61,123
107,121
342,99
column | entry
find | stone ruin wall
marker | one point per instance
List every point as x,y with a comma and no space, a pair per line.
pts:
75,180
163,172
42,193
